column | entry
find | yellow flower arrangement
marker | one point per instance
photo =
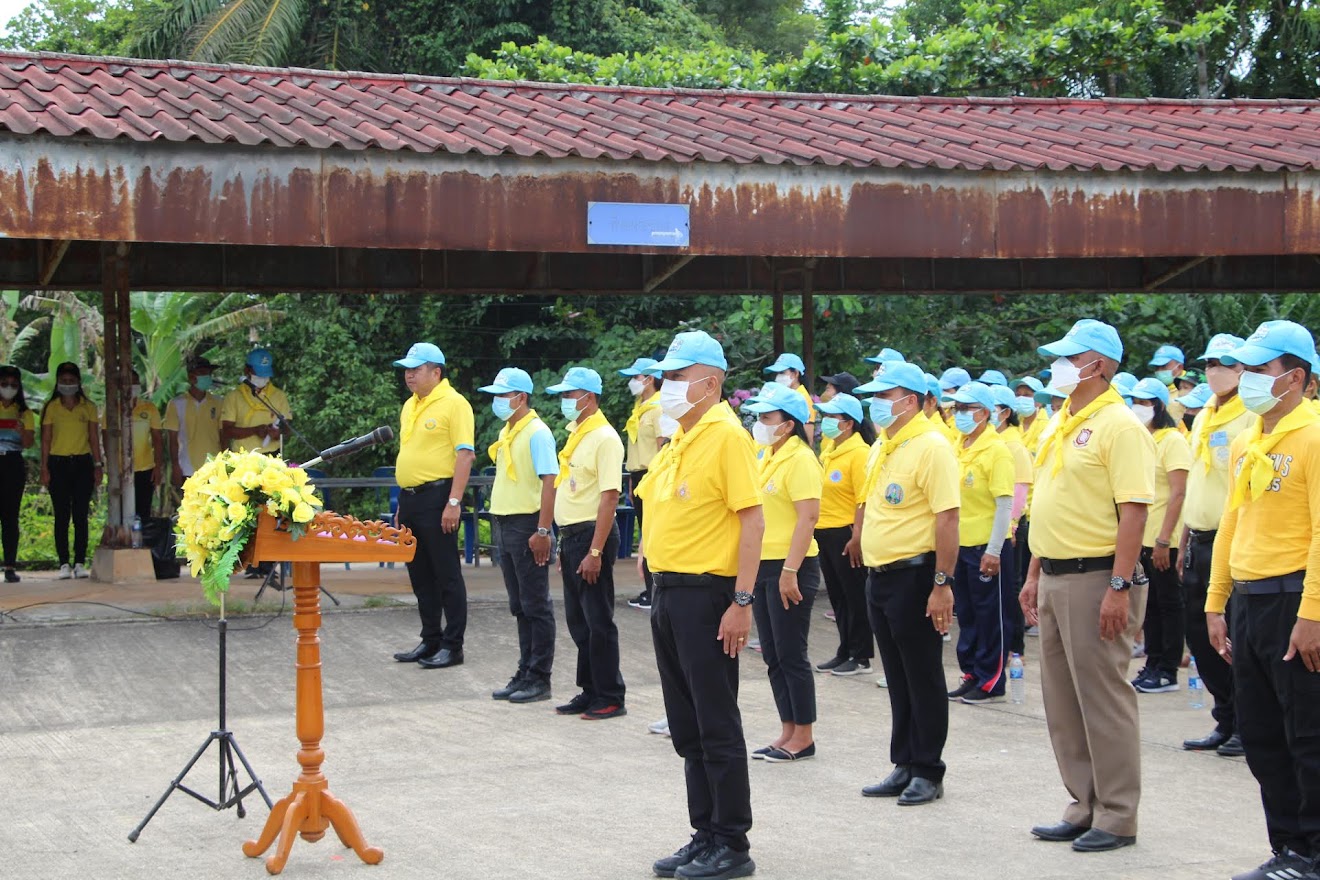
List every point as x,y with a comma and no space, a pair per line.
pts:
222,501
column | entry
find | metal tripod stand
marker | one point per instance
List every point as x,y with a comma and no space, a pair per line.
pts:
275,580
230,794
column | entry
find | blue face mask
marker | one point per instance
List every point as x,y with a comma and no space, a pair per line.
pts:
829,427
569,407
1024,406
882,412
1049,410
204,383
1257,392
502,408
965,422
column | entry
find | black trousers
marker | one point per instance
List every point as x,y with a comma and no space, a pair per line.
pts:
589,613
984,621
783,633
700,686
436,572
1216,674
635,477
71,495
1017,642
1165,617
910,649
13,478
143,489
1278,719
846,587
528,586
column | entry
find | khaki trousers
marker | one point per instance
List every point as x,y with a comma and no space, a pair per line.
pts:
1090,707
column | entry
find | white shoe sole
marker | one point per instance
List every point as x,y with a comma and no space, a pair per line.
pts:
861,670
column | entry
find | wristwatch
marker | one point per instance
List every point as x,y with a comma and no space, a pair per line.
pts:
543,533
595,552
742,598
453,502
1118,585
941,578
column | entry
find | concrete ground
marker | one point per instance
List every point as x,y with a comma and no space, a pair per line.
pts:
98,715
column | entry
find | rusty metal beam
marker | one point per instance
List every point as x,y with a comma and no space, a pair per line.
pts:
665,274
50,260
1175,272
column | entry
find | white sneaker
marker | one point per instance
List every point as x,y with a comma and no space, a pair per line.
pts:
79,571
660,727
881,682
65,572
1138,650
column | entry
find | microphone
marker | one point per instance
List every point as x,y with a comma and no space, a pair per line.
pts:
381,435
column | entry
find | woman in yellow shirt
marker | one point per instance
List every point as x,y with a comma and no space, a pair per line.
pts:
844,465
1009,425
789,575
15,436
1165,621
70,464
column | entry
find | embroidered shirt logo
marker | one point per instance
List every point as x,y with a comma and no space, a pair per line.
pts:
1083,437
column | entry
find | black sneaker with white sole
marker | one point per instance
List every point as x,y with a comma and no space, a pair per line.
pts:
978,697
641,600
852,667
965,686
1157,683
1286,865
831,664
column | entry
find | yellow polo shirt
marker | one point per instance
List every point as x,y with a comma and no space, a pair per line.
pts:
647,444
694,490
844,467
12,425
532,456
1031,434
245,411
431,432
916,481
1108,459
197,422
1208,485
790,475
1277,533
1171,454
596,466
986,472
145,419
68,427
811,406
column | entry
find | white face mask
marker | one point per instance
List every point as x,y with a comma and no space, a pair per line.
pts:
1065,376
8,392
67,389
1221,379
636,386
666,426
259,381
674,400
785,379
1144,413
766,435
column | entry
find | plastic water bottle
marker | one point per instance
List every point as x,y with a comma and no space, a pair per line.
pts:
137,533
1017,679
1195,690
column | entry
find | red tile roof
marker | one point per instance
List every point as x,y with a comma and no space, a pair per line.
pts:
65,96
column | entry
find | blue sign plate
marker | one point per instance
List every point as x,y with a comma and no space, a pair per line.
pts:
637,224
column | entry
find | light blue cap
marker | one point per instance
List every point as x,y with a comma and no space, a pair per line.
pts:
1030,381
993,377
262,362
933,386
692,347
1002,395
1151,389
895,374
1197,397
842,405
779,397
954,377
510,379
1272,339
976,393
886,356
1087,334
787,361
639,366
1221,344
1124,383
578,379
421,353
1166,353
1048,395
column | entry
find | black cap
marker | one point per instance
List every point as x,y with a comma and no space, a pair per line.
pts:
199,363
845,383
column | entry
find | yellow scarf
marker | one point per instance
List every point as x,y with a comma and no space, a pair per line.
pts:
668,463
1055,442
837,449
770,463
505,441
420,405
969,454
1214,417
1257,467
580,430
885,445
640,408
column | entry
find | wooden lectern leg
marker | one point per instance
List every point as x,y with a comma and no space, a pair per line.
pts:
346,826
270,830
294,817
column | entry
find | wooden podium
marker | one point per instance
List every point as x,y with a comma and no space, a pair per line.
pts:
310,807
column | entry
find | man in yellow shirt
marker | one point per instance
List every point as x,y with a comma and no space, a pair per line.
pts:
1095,479
256,414
643,430
522,505
1267,555
909,541
192,423
1218,423
586,499
702,540
147,449
790,371
432,469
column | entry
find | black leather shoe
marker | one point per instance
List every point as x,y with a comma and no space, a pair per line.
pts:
1061,832
1232,748
669,864
533,690
1096,840
515,684
442,659
718,862
575,706
891,786
423,649
1207,743
921,791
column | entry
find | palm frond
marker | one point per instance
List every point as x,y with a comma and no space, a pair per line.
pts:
269,41
161,29
220,36
252,316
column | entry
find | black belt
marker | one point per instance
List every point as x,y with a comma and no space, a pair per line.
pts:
70,457
669,579
589,525
1288,583
424,487
1058,567
911,562
1201,537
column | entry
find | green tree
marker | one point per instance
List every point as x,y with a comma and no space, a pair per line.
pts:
80,27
